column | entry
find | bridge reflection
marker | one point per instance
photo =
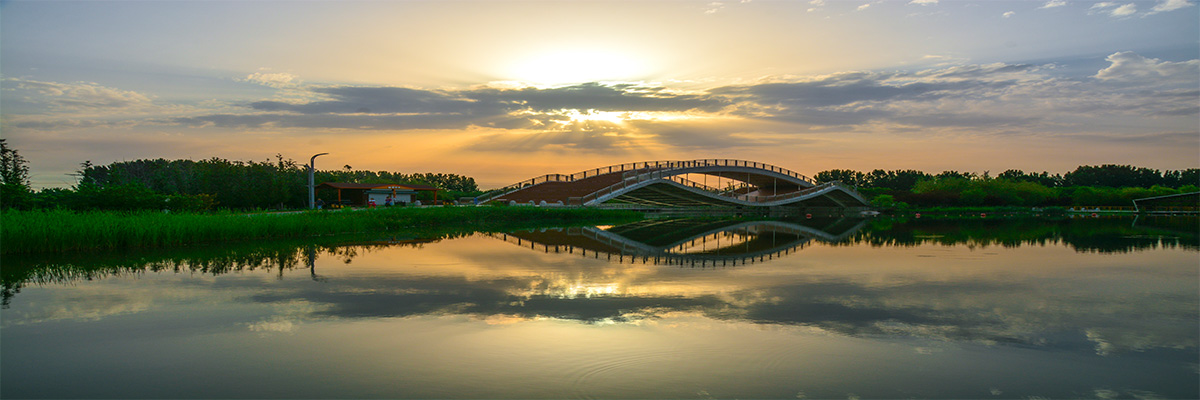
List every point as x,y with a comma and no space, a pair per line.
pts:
687,242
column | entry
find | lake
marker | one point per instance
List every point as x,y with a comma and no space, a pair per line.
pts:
976,308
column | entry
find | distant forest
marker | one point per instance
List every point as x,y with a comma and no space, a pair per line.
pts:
1104,185
281,183
214,183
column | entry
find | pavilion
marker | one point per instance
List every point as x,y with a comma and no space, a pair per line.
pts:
360,194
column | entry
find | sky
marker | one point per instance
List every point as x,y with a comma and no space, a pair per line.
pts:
505,90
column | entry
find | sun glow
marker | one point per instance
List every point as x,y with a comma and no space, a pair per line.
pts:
612,117
577,66
623,117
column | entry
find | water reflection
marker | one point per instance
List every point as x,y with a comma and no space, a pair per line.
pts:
1084,234
687,242
1070,308
25,270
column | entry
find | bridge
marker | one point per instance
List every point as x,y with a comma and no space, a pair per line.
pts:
687,242
694,183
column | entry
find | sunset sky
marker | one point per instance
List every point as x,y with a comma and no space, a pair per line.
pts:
504,90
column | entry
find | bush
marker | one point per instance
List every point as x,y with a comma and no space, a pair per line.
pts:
191,203
16,196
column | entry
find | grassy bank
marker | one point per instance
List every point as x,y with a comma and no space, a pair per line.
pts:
1012,211
976,211
63,230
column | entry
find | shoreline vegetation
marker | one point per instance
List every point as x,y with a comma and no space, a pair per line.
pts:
58,230
280,184
65,231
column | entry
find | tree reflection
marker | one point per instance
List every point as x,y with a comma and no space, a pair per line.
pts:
1155,310
1085,234
278,256
674,242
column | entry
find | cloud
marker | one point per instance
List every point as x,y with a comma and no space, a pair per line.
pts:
494,101
1054,3
836,90
1165,139
275,80
982,97
588,137
78,95
863,7
601,97
861,97
1131,67
1118,10
964,120
327,121
714,7
396,108
924,2
624,117
44,123
374,100
980,71
367,100
1124,11
1169,5
276,325
1008,14
716,135
1113,9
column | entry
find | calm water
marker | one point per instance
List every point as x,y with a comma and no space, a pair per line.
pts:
1083,308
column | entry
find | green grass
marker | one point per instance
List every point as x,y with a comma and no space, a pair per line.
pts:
950,211
63,230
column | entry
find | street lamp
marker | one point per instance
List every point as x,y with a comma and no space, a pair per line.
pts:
312,190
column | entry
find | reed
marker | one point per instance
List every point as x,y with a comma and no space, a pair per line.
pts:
64,230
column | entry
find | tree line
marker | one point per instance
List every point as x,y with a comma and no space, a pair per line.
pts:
282,184
1104,185
201,185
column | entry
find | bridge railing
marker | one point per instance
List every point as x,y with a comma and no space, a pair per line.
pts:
664,175
784,196
624,183
641,167
653,175
799,193
690,183
725,162
591,173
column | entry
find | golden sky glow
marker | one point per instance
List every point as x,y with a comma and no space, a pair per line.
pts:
505,90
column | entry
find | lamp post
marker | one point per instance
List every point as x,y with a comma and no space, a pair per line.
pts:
312,190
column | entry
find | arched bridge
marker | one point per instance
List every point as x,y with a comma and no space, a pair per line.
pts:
694,183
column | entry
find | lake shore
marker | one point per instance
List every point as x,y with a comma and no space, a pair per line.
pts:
49,231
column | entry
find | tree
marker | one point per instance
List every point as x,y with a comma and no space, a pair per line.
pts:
955,175
14,178
13,170
887,202
846,176
1181,178
1110,175
902,180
